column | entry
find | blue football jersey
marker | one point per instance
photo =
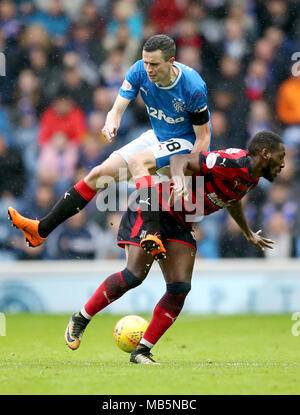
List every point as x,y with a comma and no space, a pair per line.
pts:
169,107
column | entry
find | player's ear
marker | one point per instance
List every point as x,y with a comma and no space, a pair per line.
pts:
172,60
266,154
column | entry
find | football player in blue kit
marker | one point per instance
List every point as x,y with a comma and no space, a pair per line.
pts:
175,96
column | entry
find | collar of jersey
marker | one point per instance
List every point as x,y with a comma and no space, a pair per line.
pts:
175,82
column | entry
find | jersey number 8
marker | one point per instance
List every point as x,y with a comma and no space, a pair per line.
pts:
173,145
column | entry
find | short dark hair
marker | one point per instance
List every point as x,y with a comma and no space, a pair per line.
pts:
163,43
264,139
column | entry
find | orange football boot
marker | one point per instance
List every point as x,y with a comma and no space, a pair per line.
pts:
28,226
153,245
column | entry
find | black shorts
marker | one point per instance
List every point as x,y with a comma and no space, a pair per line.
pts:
131,230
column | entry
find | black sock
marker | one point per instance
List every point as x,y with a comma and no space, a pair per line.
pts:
150,209
68,205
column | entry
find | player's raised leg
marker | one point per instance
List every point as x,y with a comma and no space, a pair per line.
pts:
71,202
140,166
112,288
177,269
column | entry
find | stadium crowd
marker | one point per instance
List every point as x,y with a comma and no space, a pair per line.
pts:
65,62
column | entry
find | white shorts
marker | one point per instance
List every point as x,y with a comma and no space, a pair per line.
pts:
162,151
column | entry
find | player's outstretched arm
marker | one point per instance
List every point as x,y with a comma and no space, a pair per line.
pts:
182,165
237,212
114,116
202,138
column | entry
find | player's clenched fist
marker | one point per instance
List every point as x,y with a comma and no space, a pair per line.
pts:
109,131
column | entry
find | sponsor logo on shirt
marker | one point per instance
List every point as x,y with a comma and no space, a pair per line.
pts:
211,160
216,201
160,115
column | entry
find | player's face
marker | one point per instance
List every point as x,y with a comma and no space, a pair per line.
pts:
158,70
276,163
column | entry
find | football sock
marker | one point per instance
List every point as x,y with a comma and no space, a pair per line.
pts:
74,200
166,312
149,203
110,290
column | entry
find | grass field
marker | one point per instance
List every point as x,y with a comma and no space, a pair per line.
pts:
198,355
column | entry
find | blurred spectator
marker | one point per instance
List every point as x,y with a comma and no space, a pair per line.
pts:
234,43
190,56
90,14
279,215
35,36
26,134
47,75
256,79
94,149
62,116
113,72
88,49
240,10
288,108
220,134
28,96
77,88
59,157
7,247
103,99
88,70
278,230
230,74
126,12
92,152
109,249
259,118
166,14
55,21
9,23
5,126
206,235
187,34
278,13
235,108
11,163
122,41
280,200
78,238
283,47
43,201
233,244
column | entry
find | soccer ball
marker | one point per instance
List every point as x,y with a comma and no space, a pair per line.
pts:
128,332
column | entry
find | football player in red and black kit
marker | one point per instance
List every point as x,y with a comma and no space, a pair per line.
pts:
228,176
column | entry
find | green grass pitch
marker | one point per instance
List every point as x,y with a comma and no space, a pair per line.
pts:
216,355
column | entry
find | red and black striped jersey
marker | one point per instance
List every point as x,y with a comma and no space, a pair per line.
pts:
226,178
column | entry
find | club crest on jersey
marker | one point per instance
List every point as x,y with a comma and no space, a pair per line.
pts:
179,105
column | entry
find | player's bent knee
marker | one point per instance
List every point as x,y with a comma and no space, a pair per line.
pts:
130,279
135,164
99,177
139,164
179,288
